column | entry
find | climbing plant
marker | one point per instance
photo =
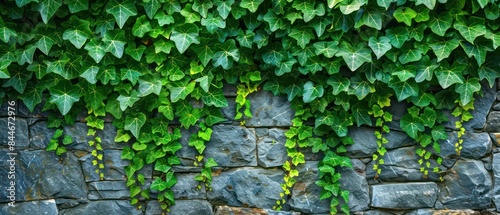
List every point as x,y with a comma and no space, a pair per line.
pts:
159,66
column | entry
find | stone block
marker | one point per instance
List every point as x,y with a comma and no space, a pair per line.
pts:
398,139
20,133
305,192
227,210
232,146
466,186
493,122
40,135
186,187
365,142
376,212
269,110
108,190
104,207
496,178
354,180
271,148
252,187
404,196
229,112
41,174
184,207
32,207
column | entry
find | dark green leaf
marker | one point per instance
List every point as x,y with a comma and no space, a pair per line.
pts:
47,8
467,90
134,123
121,10
354,57
251,5
64,95
184,35
379,46
312,92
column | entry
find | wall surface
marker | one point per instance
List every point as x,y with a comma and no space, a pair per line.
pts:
249,177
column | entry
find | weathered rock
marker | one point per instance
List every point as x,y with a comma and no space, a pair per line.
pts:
496,178
404,196
108,135
482,106
398,139
252,187
475,146
78,132
376,212
496,106
271,149
229,90
226,210
420,212
69,203
104,207
187,154
32,207
261,132
305,193
229,112
108,190
113,167
397,109
40,135
354,180
401,165
232,146
365,142
39,174
184,207
269,110
466,186
18,136
493,122
186,187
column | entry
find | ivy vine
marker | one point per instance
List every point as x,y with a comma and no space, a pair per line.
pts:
159,66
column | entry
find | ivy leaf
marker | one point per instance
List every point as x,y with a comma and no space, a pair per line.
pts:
212,23
149,84
215,98
26,55
95,95
490,70
47,37
423,100
128,101
339,84
302,36
78,33
397,36
224,7
404,89
21,3
412,125
379,46
448,75
5,32
372,17
251,5
310,14
246,38
180,89
359,87
470,29
348,8
130,74
384,3
275,22
440,23
274,54
32,96
107,74
18,80
205,50
77,5
425,69
47,8
312,92
151,7
428,3
478,50
405,14
442,47
189,118
341,123
361,115
114,42
225,55
95,50
135,52
121,10
134,123
320,25
141,26
64,95
404,72
354,57
410,55
184,35
292,91
467,90
327,48
202,7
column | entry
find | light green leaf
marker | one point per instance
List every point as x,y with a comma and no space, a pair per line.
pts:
470,29
134,123
302,36
78,33
77,5
141,26
225,55
114,42
47,8
121,10
128,101
372,17
354,57
397,36
467,90
151,7
312,92
333,3
379,46
428,3
425,69
95,50
224,7
149,84
202,7
180,89
184,35
251,5
405,14
412,125
215,98
449,75
440,23
64,95
213,23
354,5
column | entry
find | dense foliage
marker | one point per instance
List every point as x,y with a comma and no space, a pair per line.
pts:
340,62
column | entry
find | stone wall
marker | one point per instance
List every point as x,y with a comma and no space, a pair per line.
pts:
249,177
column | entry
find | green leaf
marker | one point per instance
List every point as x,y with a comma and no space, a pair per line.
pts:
339,84
26,55
410,55
89,72
21,3
95,50
114,42
490,70
225,55
245,39
439,133
149,84
141,26
275,22
251,5
354,57
440,23
404,14
215,98
302,36
449,75
478,50
135,52
189,118
151,7
292,91
6,33
184,35
379,46
128,101
78,33
224,7
359,87
312,92
180,89
361,115
327,48
47,8
18,80
397,36
159,184
77,5
425,69
372,17
384,3
423,100
121,10
202,7
404,89
130,74
411,125
442,47
137,146
32,96
428,3
467,90
134,123
64,95
470,29
310,14
213,22
274,54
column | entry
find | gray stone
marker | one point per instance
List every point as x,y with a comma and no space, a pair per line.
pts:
493,122
420,212
40,135
496,106
108,135
494,138
398,139
401,165
475,146
232,146
482,106
104,207
365,142
226,210
376,212
269,110
229,112
69,203
305,193
187,154
466,186
18,136
41,174
261,132
397,109
252,187
496,178
271,149
229,90
354,180
78,132
108,190
404,196
186,187
48,207
184,207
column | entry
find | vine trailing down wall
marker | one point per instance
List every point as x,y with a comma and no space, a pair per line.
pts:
340,63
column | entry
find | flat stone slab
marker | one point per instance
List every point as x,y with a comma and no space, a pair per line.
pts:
32,207
269,110
227,210
404,196
184,207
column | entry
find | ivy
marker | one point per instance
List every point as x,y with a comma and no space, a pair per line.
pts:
340,63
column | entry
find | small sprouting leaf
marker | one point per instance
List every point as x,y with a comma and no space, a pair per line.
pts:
184,35
121,10
134,123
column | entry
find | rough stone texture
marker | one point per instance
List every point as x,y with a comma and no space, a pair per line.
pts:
104,207
365,143
404,196
475,146
252,187
376,212
108,190
493,122
184,207
229,112
78,132
398,139
33,207
482,106
397,109
420,212
232,146
354,180
20,133
466,186
40,135
271,149
401,165
187,154
186,187
496,178
269,110
305,193
226,210
39,175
